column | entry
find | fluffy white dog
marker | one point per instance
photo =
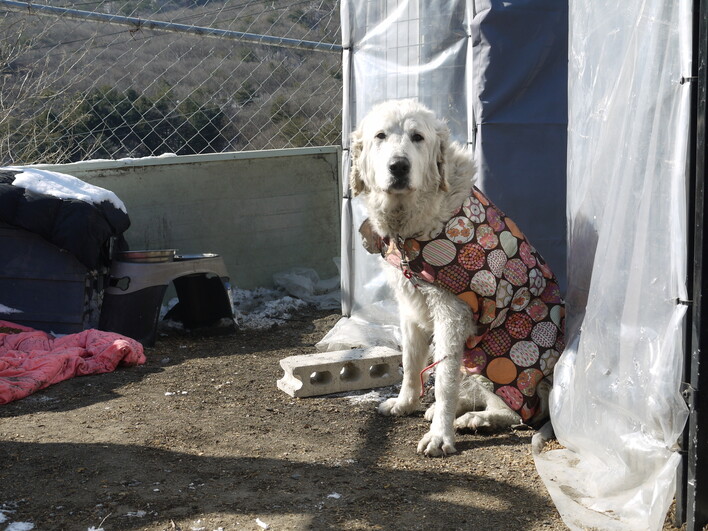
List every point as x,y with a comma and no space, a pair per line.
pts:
473,294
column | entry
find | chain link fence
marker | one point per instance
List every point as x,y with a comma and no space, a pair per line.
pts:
90,79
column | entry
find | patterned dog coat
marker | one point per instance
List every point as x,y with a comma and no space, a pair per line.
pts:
482,257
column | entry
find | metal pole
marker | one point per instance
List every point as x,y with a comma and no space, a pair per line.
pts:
136,23
692,494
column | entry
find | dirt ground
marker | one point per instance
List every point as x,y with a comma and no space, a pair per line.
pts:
200,438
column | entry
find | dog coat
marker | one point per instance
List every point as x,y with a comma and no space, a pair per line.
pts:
481,256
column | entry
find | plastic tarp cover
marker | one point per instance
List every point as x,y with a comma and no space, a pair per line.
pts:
616,405
496,72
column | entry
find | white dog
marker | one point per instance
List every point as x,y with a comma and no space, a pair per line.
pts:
473,293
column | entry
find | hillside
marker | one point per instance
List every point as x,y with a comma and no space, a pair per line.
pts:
74,90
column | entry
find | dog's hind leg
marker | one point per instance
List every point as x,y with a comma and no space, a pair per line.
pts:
472,397
485,410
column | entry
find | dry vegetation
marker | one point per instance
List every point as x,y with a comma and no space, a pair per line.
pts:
271,97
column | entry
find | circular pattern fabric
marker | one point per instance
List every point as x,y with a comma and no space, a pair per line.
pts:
537,282
454,278
496,261
548,361
501,370
521,299
481,256
474,210
544,334
472,257
475,361
526,254
460,229
519,325
484,283
511,396
486,237
524,353
439,253
528,380
496,342
552,295
500,319
495,220
509,243
537,309
505,292
489,311
516,272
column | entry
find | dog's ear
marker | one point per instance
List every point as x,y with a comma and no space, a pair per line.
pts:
441,143
356,183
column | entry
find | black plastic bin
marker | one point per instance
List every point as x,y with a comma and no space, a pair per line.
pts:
48,288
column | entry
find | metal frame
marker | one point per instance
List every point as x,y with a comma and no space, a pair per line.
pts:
692,485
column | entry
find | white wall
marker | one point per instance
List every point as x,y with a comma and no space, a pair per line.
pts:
262,211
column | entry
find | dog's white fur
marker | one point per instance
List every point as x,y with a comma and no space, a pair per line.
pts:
404,137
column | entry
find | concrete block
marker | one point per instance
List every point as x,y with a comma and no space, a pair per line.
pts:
343,370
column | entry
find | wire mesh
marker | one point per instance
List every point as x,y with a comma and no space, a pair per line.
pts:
108,79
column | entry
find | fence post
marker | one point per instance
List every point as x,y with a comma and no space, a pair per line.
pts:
692,488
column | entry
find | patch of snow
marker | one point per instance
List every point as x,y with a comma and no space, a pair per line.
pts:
20,526
64,186
262,308
375,395
7,310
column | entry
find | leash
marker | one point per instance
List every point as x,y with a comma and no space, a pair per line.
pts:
405,267
423,388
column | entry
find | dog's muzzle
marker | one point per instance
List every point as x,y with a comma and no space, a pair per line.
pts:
399,168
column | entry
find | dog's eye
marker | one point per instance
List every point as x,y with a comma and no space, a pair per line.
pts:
417,137
381,136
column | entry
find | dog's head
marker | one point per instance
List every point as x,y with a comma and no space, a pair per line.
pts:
399,148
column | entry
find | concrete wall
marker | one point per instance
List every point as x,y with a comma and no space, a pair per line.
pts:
262,211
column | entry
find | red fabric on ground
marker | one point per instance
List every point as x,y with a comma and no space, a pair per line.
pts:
32,360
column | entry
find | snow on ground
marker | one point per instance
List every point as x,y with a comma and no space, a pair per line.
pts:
6,509
7,310
262,308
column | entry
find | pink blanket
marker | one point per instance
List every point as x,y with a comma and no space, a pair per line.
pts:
32,360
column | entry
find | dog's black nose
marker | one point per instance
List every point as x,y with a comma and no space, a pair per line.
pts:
399,168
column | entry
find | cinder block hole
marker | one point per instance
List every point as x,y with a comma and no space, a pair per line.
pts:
349,372
320,377
380,370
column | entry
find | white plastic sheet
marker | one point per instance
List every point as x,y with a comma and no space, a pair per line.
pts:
496,71
616,405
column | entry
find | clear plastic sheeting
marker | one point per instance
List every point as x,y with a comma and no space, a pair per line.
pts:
496,72
616,403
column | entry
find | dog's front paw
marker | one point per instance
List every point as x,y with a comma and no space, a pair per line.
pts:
397,407
435,444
